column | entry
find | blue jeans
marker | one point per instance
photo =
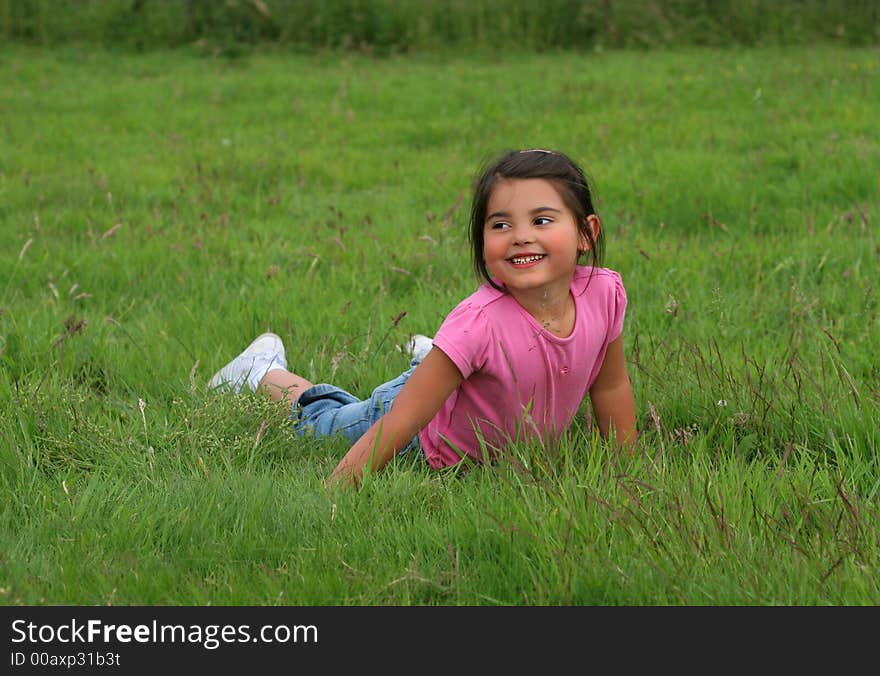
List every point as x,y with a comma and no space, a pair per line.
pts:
324,410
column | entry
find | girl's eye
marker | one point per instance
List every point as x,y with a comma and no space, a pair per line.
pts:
499,225
543,220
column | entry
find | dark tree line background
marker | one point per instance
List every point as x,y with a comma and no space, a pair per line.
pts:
399,26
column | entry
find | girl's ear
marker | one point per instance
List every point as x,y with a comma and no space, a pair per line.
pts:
594,225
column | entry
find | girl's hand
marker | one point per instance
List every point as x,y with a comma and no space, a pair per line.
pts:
418,401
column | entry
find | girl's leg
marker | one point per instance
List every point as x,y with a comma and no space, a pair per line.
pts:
262,367
282,384
324,410
264,354
320,409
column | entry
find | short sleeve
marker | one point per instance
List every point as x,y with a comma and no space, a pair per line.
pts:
464,337
617,307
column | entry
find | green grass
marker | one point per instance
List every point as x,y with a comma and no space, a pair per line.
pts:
157,212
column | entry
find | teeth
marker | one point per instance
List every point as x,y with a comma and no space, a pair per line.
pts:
525,259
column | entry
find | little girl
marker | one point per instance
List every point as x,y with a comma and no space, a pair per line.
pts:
515,359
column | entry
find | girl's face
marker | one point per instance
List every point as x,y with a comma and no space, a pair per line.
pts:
531,239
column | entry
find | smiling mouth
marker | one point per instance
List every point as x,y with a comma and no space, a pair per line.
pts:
525,260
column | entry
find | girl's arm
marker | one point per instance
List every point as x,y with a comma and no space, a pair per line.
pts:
612,398
417,402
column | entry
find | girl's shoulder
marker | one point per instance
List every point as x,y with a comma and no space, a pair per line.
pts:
599,294
599,281
483,309
482,298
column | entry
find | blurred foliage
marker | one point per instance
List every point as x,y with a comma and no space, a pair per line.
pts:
389,26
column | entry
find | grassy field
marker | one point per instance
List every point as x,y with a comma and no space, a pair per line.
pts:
158,211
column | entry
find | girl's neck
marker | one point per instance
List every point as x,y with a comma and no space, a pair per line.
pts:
552,308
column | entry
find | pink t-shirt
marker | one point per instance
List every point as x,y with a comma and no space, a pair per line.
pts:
519,379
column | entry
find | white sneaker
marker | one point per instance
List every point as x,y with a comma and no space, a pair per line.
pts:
419,346
248,368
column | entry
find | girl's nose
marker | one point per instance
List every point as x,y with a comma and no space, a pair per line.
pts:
522,235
